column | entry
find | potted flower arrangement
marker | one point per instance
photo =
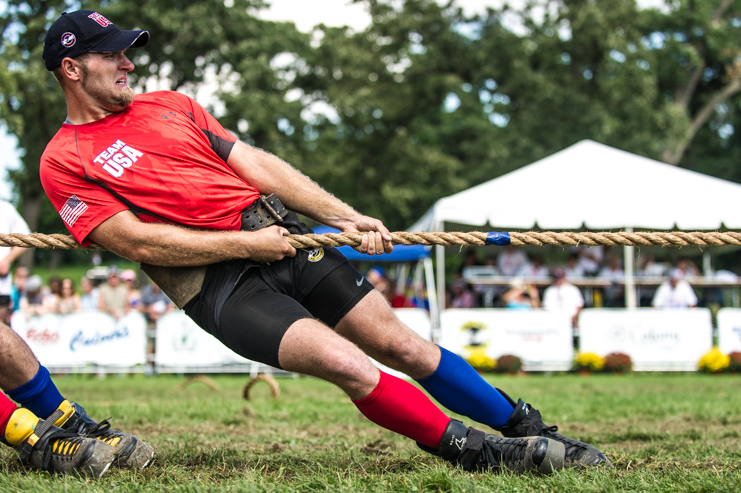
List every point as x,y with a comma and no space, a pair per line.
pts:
509,363
586,363
735,363
618,363
481,362
714,361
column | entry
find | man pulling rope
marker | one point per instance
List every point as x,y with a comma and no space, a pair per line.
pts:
156,179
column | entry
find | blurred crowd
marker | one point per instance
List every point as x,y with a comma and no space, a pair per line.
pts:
116,294
398,295
532,284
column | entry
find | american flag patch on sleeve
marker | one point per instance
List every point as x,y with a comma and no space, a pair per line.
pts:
72,210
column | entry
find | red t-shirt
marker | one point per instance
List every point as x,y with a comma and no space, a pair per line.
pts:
163,157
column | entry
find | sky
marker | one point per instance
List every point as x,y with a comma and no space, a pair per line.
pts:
305,15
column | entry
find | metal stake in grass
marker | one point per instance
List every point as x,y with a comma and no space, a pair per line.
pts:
262,377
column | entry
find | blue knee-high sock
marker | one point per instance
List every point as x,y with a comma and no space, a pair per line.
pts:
39,395
457,386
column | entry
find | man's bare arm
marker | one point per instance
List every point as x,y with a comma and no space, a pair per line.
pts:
269,174
11,257
169,245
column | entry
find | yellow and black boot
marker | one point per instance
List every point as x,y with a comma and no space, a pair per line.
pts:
44,446
130,451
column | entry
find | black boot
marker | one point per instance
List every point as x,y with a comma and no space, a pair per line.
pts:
526,421
475,450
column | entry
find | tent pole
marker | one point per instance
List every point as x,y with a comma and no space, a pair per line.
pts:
431,296
630,291
440,258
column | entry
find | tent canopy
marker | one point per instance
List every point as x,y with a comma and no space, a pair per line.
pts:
401,253
594,186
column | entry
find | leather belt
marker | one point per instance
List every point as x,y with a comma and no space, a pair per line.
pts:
182,284
262,213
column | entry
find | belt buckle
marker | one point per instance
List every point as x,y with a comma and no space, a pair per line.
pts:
270,208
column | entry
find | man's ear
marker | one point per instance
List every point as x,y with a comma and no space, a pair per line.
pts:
71,69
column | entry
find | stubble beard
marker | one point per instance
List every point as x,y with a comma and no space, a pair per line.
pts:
105,98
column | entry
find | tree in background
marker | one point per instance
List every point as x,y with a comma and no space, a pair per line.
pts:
211,43
424,102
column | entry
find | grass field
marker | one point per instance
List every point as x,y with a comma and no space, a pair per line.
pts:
663,433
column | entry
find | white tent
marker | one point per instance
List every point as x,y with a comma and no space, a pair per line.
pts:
594,186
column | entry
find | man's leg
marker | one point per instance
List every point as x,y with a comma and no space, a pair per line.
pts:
373,326
310,347
29,383
23,378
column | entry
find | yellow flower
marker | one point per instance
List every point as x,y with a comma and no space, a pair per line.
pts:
480,361
589,360
714,361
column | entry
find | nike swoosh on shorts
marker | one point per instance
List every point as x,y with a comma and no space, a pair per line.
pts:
360,281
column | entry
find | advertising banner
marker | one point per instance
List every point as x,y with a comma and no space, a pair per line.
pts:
541,339
660,340
183,344
729,330
85,338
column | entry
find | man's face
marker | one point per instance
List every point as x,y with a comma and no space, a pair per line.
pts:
114,280
104,79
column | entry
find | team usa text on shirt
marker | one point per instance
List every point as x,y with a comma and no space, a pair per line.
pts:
117,157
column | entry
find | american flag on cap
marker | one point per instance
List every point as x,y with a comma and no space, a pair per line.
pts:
72,209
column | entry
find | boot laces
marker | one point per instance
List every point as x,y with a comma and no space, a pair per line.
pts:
503,453
89,428
99,429
573,447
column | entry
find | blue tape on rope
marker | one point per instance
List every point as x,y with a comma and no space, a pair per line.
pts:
495,238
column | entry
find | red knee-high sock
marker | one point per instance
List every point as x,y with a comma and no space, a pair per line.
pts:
7,407
401,407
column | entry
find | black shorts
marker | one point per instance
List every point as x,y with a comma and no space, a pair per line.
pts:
249,306
4,301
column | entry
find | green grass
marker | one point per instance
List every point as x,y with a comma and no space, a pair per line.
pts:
662,432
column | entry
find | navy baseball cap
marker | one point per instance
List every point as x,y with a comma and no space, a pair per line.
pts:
75,33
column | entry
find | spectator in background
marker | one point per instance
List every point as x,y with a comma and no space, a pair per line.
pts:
114,295
377,276
615,292
470,259
521,296
10,222
55,286
590,259
487,292
510,261
128,277
534,268
52,292
19,287
90,295
675,292
461,295
563,297
573,270
32,303
650,268
68,301
688,267
154,303
397,296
